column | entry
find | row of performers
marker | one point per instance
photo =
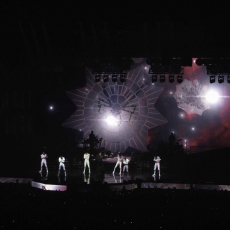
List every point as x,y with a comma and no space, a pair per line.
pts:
120,161
123,160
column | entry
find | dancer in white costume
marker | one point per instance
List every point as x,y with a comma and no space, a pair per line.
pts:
61,165
126,164
44,162
86,162
157,161
119,162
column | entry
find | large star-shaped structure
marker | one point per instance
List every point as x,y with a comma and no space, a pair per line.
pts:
120,113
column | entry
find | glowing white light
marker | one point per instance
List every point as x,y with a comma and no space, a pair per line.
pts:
182,115
170,92
212,96
143,79
112,121
193,128
145,67
51,107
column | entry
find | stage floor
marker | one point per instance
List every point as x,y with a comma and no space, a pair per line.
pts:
75,176
79,182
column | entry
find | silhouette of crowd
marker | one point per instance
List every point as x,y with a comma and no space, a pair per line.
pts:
23,206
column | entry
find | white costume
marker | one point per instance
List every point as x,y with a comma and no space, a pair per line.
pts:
126,166
119,162
157,165
61,165
44,162
86,162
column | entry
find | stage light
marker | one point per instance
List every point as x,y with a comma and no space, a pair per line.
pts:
228,79
212,79
171,78
154,78
162,78
179,79
97,78
122,78
106,78
51,107
212,96
114,78
220,79
111,120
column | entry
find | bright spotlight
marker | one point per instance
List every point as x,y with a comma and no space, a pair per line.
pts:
212,96
112,121
51,107
193,128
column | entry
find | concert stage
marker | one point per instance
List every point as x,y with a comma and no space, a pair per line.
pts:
89,182
176,171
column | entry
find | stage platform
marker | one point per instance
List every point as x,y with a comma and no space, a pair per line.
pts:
128,181
178,172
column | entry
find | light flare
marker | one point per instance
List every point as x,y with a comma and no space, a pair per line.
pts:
112,121
212,96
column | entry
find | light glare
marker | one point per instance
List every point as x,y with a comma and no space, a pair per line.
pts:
212,96
111,120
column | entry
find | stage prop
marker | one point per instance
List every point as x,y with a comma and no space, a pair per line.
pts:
190,96
119,112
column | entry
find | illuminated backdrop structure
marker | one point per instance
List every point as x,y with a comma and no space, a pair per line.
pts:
120,113
190,96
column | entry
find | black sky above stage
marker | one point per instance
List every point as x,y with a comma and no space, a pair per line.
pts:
41,63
